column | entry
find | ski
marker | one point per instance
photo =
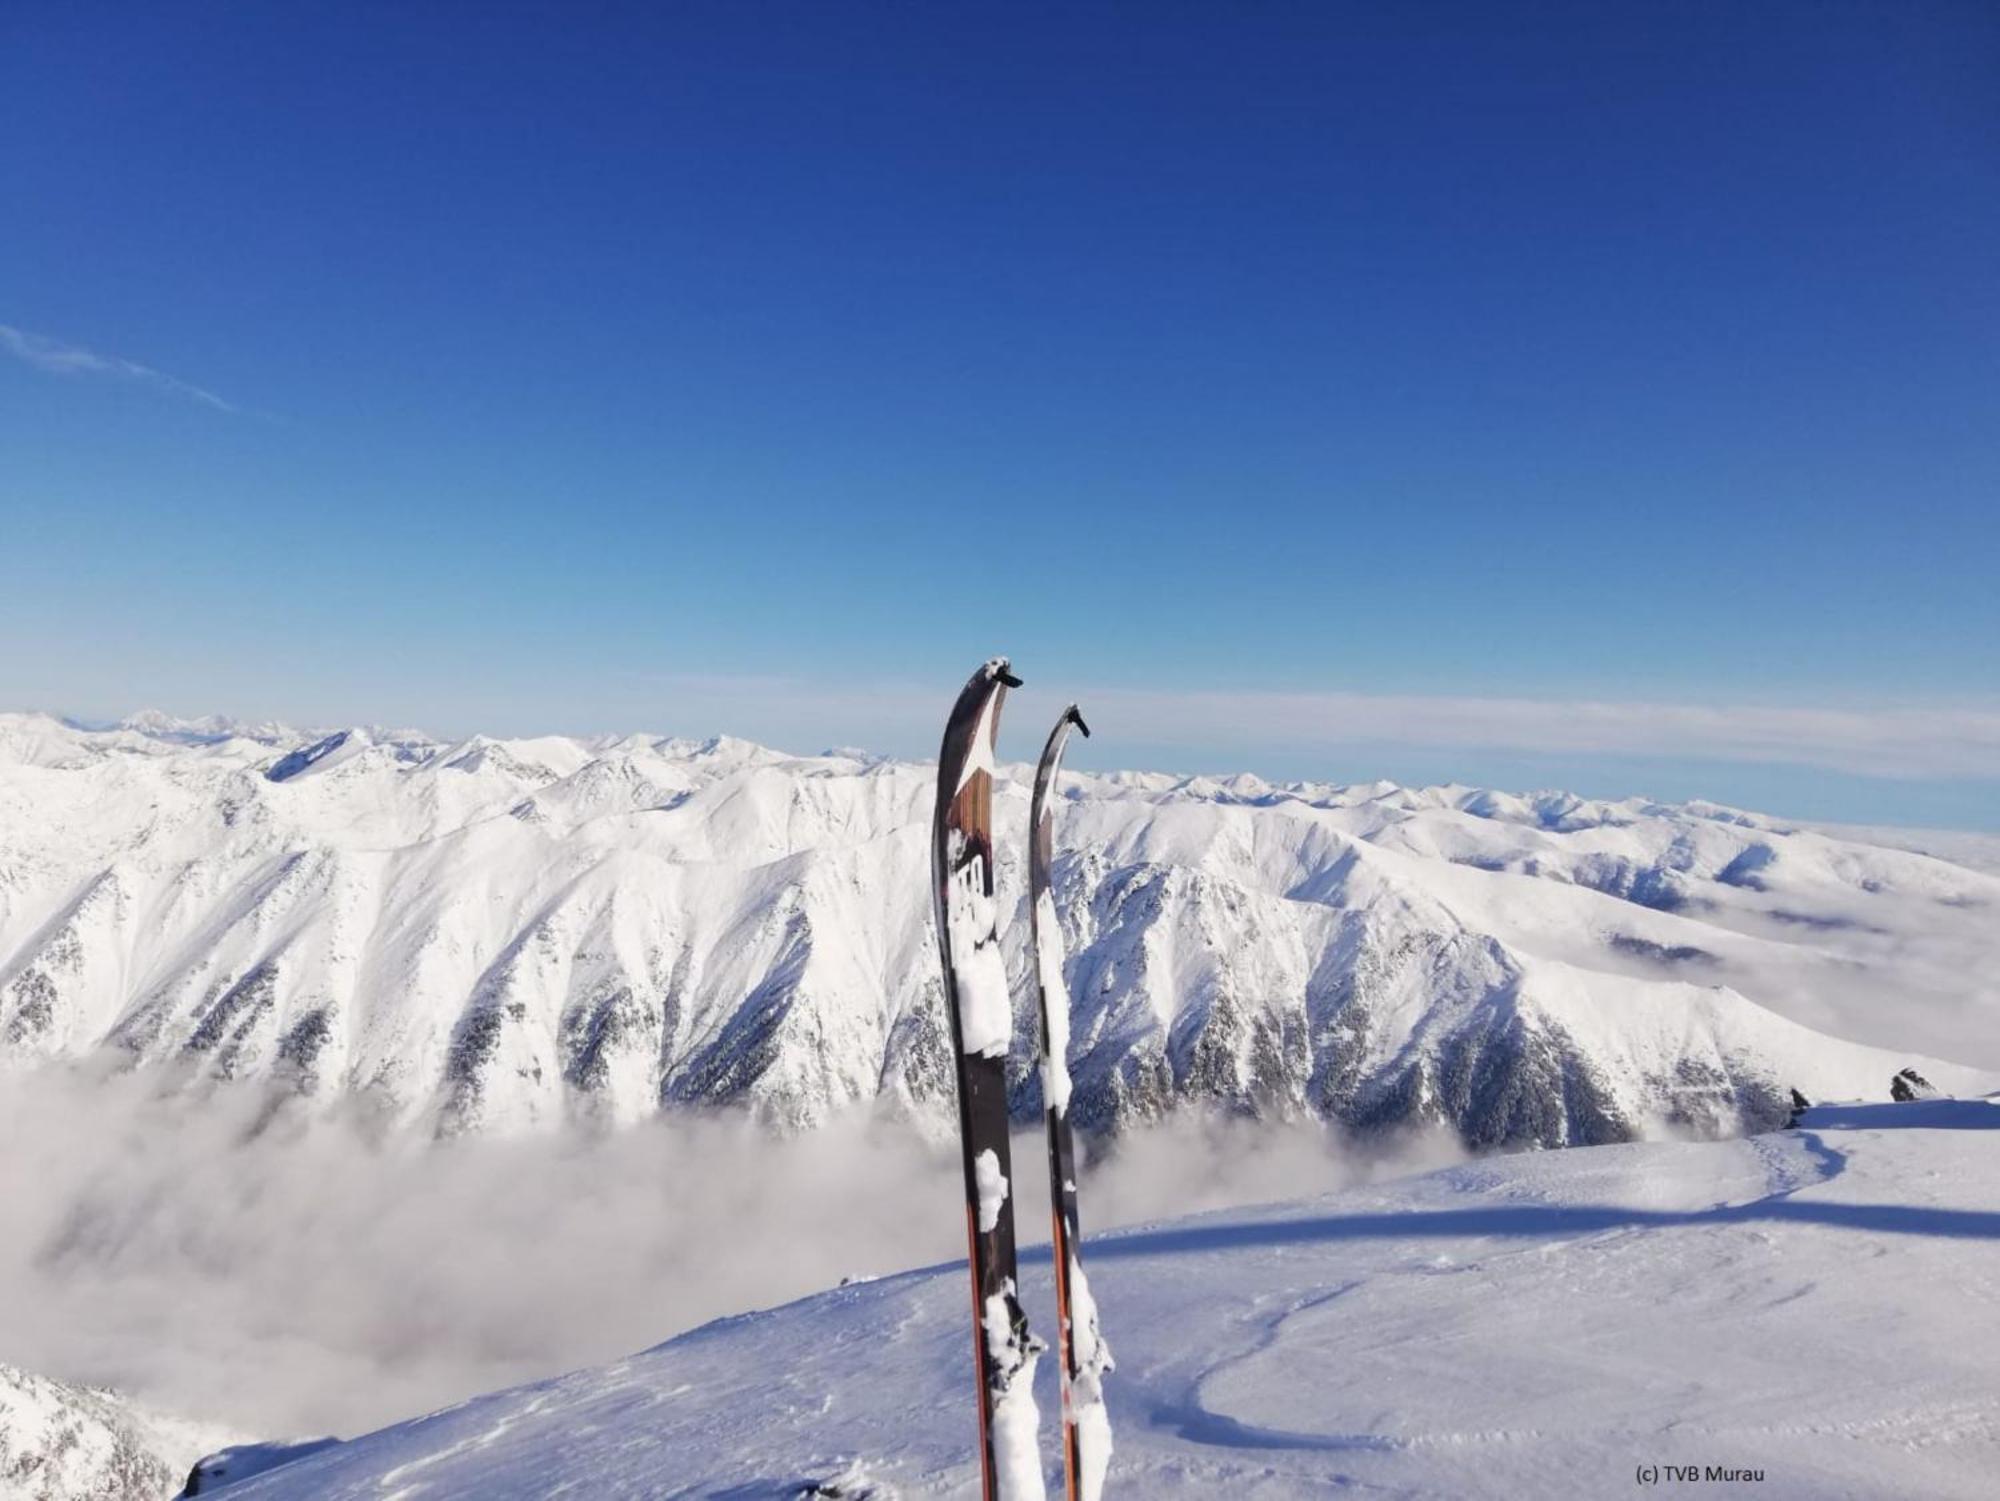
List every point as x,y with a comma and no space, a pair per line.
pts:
982,1026
1083,1355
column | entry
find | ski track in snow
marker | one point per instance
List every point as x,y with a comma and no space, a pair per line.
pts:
1820,1304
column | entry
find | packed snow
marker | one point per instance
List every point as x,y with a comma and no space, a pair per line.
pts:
1085,1397
1055,1007
1017,1452
992,1187
1814,1307
985,1010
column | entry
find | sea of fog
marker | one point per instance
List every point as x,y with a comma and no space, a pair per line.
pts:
291,1275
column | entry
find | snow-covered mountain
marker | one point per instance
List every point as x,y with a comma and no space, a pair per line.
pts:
1804,1315
510,934
60,1442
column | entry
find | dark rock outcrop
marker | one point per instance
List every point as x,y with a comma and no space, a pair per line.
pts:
1910,1085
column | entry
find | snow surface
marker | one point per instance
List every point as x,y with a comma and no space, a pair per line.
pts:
1017,1440
514,935
1086,1391
1820,1305
992,1188
1055,1006
985,1010
238,1462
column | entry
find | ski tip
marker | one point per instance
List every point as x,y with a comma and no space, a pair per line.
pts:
1001,669
1075,716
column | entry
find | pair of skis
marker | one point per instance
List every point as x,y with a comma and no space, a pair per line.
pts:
982,1026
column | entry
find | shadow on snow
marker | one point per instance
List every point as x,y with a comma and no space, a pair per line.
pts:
1560,1219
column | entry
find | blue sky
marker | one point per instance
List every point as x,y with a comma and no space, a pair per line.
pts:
1404,374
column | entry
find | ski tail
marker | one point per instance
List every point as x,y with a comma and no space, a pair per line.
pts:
1083,1356
982,1023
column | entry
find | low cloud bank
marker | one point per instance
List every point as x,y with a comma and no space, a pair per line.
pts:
290,1276
1878,740
1914,741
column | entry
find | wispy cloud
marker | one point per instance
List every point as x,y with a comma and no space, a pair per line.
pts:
58,358
1894,741
1888,741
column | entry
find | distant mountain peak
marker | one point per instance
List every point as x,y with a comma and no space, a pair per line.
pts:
64,1442
514,933
208,729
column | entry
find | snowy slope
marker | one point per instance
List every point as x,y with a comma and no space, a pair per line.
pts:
1818,1305
60,1442
509,935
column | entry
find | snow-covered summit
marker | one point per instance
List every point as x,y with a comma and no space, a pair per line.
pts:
61,1442
510,934
209,729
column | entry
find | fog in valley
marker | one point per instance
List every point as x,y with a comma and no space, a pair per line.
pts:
291,1275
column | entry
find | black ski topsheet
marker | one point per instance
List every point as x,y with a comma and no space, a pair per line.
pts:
1084,1357
977,1002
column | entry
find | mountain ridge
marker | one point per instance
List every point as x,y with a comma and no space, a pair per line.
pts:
517,934
64,1442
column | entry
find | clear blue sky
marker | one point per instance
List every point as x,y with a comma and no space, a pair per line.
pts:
585,367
